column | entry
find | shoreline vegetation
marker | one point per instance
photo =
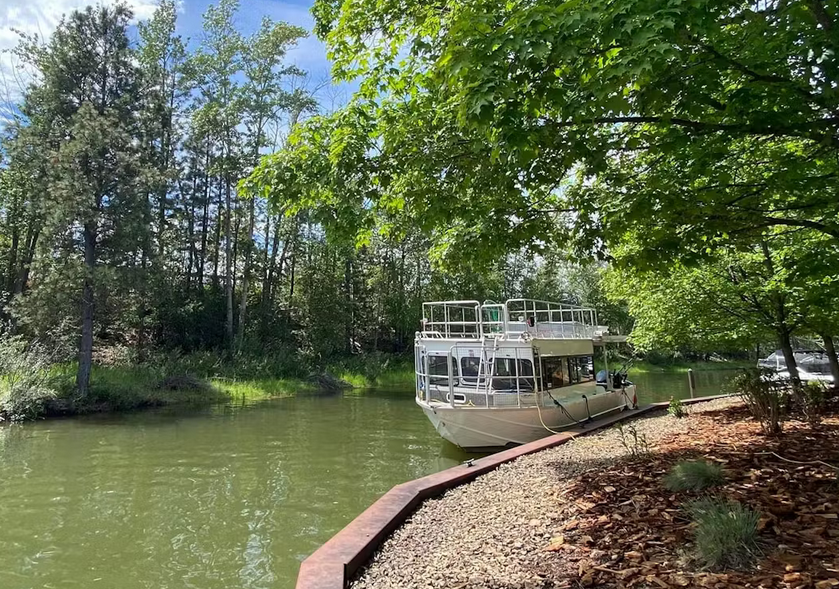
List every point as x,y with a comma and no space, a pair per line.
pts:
48,391
33,389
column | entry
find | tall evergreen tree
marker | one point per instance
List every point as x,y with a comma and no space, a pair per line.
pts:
88,102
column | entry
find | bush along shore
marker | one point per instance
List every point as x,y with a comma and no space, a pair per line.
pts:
32,386
703,499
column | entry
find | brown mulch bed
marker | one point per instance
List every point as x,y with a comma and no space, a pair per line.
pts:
624,529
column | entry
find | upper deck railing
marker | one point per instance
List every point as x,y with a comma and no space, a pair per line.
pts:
540,319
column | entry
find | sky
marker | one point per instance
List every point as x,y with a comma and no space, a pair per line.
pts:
41,17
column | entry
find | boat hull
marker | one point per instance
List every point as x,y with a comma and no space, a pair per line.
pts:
475,428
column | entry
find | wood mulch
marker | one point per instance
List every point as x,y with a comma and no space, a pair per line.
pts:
624,529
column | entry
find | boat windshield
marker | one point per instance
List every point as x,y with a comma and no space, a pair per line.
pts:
814,362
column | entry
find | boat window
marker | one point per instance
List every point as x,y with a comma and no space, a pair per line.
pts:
507,367
438,370
561,372
504,376
469,367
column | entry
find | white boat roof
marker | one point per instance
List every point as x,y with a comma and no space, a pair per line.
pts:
513,319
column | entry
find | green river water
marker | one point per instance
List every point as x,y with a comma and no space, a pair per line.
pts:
227,497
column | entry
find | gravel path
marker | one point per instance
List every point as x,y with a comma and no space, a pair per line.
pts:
491,533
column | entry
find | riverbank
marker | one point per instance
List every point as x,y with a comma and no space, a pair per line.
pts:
197,380
595,512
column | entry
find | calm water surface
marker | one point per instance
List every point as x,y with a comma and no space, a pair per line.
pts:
230,497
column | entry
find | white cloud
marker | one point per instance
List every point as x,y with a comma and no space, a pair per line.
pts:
39,17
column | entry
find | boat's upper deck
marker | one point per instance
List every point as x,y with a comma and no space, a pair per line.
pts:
513,319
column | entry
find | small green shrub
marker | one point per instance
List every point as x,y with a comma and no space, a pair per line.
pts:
634,441
726,533
27,384
676,408
694,475
812,399
763,395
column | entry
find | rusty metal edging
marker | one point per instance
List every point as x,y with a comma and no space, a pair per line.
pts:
332,565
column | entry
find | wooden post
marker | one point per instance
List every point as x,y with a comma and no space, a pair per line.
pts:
691,382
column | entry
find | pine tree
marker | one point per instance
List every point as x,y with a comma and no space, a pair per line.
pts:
88,102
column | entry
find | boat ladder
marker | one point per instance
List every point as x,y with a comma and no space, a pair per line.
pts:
486,367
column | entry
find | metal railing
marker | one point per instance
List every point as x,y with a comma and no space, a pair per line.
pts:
541,319
488,387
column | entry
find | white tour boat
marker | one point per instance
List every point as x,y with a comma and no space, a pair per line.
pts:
498,374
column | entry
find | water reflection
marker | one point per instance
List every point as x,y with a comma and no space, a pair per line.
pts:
231,496
228,497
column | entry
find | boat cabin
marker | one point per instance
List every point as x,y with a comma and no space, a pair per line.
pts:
469,351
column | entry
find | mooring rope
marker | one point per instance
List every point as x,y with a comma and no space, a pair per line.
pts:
561,407
588,412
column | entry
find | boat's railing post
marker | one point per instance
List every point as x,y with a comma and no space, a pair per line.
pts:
450,369
427,379
418,384
518,384
491,366
446,318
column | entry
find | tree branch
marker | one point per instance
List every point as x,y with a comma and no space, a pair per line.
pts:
821,14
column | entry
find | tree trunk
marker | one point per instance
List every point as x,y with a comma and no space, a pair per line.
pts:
205,222
26,264
246,271
219,213
266,257
191,235
228,263
348,295
830,350
789,357
291,278
11,270
86,343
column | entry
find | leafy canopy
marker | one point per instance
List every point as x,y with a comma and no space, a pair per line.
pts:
494,125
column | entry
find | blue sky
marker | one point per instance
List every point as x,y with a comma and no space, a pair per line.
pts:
309,55
41,17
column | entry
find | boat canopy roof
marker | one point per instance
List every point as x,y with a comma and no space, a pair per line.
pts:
515,318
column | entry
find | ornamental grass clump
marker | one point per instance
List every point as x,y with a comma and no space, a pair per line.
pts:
694,475
726,533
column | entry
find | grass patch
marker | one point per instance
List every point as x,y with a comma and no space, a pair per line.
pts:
126,388
375,371
259,389
694,475
394,378
726,533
